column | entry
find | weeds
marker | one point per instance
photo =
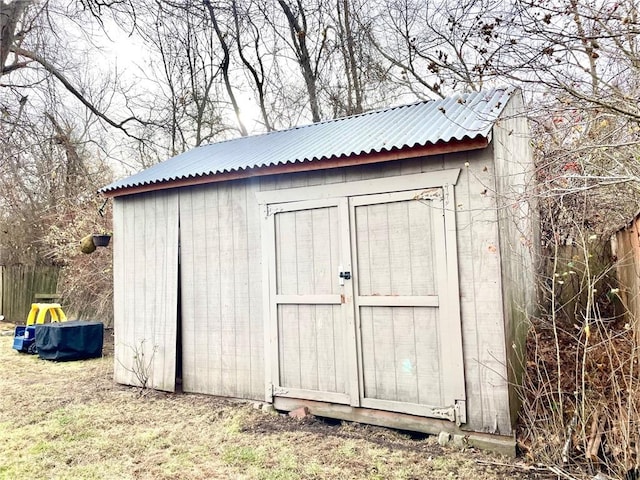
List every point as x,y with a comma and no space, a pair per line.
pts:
142,365
581,392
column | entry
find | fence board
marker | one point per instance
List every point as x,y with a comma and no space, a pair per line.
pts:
19,286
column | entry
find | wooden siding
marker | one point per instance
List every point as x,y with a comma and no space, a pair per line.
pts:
519,241
146,288
311,355
222,324
481,293
307,252
401,354
396,249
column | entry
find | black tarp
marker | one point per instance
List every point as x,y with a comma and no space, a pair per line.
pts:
74,340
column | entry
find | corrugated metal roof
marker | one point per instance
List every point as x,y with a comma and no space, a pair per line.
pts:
459,117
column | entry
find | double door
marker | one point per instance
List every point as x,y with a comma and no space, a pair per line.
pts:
364,304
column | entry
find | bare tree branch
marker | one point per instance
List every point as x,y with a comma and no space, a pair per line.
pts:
71,89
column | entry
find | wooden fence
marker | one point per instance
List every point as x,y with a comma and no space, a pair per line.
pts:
573,272
626,248
19,285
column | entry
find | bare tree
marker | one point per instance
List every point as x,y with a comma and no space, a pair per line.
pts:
184,75
248,36
21,25
225,64
299,31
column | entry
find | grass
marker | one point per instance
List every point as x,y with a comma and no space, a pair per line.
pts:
70,421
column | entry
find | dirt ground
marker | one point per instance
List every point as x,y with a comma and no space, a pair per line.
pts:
69,420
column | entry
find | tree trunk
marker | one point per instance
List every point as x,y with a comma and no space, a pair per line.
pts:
10,14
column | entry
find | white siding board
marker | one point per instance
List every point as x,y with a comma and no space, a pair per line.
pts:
289,346
379,260
329,353
208,320
376,362
223,340
146,303
121,278
303,253
194,285
397,234
401,355
426,336
254,285
323,236
286,254
404,354
480,292
227,261
422,247
241,314
519,240
308,353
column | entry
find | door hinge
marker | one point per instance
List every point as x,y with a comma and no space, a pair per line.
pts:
455,413
460,409
448,413
276,390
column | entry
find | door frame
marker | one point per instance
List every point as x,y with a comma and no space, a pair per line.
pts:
270,202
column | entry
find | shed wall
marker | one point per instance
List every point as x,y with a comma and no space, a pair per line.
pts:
222,287
145,271
222,318
518,240
481,293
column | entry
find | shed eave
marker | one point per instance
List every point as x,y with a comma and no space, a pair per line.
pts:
439,148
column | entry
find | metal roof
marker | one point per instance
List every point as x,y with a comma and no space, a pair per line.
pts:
459,117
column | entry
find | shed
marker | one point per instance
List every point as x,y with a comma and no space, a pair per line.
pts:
375,268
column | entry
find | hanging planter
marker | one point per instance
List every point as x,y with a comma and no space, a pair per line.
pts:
86,244
101,240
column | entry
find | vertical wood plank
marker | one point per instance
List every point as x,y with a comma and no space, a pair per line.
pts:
227,334
145,264
241,312
421,247
257,316
122,223
227,284
428,341
480,292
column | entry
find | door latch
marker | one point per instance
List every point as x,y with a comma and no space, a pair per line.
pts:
342,275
